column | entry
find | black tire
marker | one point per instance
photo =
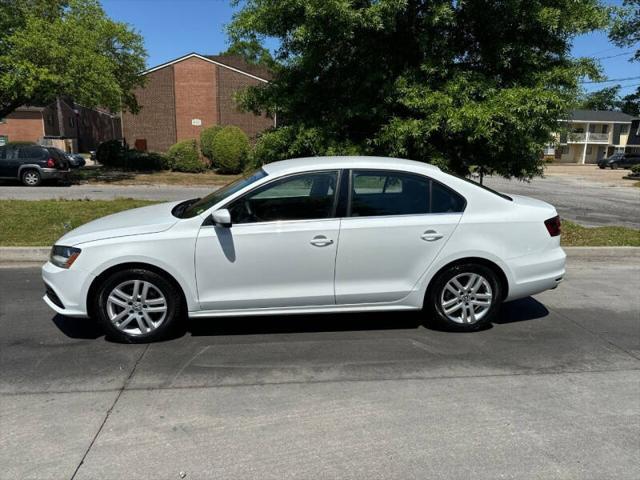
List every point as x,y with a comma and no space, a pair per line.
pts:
30,177
167,326
433,301
601,167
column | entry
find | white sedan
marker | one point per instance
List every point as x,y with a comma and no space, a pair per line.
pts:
312,235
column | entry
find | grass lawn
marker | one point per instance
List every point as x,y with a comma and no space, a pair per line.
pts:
101,175
42,222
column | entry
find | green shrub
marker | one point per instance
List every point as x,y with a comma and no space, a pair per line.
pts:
635,170
206,140
146,161
230,150
111,154
183,157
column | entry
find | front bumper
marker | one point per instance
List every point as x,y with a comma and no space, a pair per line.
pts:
67,289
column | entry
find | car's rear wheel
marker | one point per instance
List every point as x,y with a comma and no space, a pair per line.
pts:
464,297
138,306
30,177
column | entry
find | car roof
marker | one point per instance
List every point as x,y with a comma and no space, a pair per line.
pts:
312,163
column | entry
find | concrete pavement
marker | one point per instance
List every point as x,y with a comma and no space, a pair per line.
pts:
551,391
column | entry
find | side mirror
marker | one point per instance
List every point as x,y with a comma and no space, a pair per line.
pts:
221,218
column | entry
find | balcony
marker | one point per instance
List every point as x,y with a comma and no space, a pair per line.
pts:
588,138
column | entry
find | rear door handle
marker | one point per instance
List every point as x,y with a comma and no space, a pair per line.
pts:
321,241
431,236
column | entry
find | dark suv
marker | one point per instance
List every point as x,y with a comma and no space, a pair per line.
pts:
31,164
620,160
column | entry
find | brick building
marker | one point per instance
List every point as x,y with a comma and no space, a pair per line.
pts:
64,119
185,95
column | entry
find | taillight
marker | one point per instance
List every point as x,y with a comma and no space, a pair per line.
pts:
553,226
51,163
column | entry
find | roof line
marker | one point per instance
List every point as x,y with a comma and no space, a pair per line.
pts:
194,54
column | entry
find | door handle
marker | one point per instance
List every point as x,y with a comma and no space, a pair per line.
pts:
321,241
431,236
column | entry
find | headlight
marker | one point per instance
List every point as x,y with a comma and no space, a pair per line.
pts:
63,257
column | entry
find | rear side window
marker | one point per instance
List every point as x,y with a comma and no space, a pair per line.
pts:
376,193
31,153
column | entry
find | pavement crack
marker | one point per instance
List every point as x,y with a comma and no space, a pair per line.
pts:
106,417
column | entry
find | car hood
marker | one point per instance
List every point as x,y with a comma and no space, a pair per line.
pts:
138,221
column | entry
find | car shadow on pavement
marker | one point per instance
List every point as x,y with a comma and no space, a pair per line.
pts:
517,311
82,328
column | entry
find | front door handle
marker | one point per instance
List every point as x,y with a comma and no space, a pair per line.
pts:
431,236
321,241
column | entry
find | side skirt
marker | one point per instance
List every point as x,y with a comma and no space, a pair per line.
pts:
303,310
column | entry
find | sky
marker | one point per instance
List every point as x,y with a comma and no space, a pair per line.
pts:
172,28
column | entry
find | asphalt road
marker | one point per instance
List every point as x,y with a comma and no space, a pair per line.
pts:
551,391
587,202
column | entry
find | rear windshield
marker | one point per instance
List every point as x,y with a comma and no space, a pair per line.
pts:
502,195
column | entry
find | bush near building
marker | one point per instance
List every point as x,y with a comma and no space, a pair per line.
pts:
207,137
184,157
230,150
113,154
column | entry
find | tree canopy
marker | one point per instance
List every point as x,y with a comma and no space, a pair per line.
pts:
51,48
455,83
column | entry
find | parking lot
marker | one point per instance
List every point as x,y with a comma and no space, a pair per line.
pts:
550,391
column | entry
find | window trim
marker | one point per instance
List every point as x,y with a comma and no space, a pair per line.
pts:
402,172
294,174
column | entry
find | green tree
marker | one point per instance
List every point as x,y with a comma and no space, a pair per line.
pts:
456,83
625,32
606,99
51,48
252,51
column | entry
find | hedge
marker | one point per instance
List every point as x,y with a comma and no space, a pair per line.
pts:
230,150
207,137
183,157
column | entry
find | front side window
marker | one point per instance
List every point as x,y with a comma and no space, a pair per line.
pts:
376,193
305,196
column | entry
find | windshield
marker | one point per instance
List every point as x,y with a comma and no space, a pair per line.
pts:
210,200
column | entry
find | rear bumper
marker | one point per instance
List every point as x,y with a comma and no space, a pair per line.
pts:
66,290
536,273
54,174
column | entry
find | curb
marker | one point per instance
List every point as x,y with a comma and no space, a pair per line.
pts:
18,255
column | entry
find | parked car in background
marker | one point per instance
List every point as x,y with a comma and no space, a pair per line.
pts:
76,160
620,160
314,235
33,164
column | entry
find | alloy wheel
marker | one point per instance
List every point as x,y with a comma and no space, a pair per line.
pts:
136,307
31,178
466,298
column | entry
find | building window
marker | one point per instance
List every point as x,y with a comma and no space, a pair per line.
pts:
605,128
624,129
3,140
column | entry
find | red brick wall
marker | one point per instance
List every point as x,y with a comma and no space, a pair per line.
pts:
156,121
229,82
195,90
23,126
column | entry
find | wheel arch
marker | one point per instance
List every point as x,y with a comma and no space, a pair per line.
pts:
99,279
502,277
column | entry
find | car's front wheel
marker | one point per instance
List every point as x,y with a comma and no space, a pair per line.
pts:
464,297
138,306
